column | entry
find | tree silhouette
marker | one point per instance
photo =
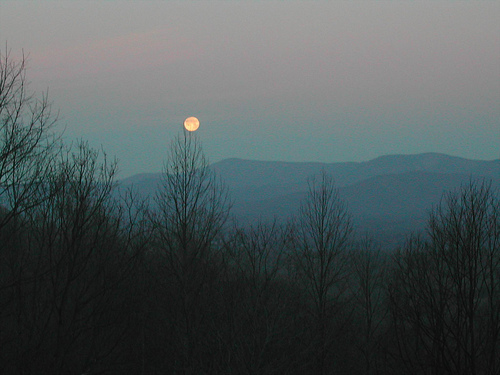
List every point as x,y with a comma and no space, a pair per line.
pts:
192,207
368,287
66,313
446,291
322,238
27,147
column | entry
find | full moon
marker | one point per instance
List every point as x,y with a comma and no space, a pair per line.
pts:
191,124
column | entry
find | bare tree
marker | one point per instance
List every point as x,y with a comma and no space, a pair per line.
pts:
193,203
368,289
26,143
67,310
322,237
446,294
193,206
257,331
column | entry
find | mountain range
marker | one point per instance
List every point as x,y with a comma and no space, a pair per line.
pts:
388,197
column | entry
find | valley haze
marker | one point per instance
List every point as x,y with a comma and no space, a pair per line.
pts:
388,197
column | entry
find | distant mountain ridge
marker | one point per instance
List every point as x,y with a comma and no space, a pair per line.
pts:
387,196
347,173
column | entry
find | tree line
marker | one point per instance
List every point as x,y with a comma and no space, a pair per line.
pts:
97,280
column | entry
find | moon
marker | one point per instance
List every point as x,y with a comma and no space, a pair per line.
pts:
191,124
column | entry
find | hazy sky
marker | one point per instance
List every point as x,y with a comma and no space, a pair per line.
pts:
270,80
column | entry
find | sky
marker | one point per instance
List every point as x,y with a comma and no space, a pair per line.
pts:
327,81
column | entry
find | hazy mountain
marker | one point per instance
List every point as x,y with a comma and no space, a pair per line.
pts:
387,196
279,177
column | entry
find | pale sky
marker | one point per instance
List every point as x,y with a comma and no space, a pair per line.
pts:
326,81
